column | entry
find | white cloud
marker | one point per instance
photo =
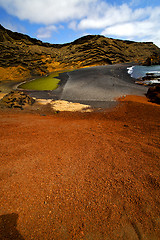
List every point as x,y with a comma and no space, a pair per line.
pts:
47,11
13,26
113,15
130,29
73,25
10,26
120,21
46,32
147,29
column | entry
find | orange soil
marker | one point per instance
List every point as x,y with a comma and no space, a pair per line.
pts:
138,99
81,175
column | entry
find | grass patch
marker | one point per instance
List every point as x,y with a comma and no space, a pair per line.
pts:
44,83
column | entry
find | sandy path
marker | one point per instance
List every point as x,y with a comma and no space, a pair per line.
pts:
81,176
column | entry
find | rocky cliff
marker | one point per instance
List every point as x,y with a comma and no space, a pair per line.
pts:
23,57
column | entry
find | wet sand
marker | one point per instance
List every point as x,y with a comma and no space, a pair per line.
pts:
81,175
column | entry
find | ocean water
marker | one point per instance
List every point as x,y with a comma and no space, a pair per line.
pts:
140,71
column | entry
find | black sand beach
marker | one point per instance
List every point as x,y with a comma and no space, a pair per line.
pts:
97,86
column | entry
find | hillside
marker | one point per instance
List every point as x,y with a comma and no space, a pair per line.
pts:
23,57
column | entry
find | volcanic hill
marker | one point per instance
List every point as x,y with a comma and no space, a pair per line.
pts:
23,57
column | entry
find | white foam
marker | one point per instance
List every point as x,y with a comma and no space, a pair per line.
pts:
154,72
150,82
130,70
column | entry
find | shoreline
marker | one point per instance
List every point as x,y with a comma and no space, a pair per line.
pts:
113,73
100,86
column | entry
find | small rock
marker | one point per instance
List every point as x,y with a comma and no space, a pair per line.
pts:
153,94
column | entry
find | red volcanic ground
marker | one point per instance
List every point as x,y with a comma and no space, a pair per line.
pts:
81,175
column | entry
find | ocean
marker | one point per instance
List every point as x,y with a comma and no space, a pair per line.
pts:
140,71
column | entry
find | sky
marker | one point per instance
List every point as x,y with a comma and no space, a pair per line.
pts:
63,21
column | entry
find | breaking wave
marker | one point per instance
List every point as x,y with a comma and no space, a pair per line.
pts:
140,71
130,70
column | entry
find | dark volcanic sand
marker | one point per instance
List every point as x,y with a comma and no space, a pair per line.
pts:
96,86
81,176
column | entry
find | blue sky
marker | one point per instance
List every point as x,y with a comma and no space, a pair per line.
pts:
61,21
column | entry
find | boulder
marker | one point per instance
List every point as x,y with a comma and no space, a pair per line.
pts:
152,60
16,99
153,94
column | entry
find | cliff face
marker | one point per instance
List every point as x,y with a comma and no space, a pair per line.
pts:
23,57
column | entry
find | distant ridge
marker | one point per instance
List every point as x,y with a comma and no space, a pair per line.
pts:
23,57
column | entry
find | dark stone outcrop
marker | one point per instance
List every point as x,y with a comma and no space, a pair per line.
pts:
16,99
151,76
153,94
152,60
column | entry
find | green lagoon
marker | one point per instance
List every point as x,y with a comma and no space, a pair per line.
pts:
44,83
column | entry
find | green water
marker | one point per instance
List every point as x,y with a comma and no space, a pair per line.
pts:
44,83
